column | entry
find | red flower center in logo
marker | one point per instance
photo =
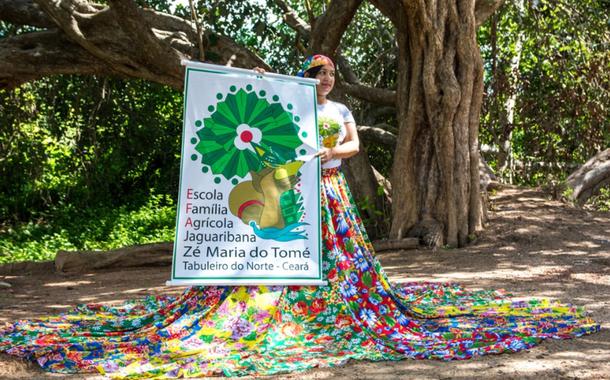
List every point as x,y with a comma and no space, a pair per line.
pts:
246,136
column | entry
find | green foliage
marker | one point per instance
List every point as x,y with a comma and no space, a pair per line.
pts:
381,157
252,24
91,228
87,163
552,59
600,202
77,141
568,193
373,56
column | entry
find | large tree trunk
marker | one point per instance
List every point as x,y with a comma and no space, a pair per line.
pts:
435,177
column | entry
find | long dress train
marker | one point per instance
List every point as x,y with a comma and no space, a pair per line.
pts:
270,329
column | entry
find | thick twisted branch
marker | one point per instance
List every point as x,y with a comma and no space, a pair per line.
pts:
353,86
87,38
158,54
371,94
377,135
485,8
291,17
331,25
24,12
35,55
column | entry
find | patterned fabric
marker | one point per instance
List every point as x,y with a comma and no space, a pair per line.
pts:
314,61
265,330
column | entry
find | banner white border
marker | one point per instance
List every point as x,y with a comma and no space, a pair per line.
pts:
242,281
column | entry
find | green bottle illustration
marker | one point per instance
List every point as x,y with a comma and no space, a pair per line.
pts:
291,204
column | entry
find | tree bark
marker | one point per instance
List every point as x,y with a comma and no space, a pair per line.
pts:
123,39
329,27
485,8
589,178
370,94
435,176
377,135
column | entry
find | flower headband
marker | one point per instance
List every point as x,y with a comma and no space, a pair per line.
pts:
314,61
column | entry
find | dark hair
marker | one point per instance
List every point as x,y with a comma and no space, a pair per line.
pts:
311,73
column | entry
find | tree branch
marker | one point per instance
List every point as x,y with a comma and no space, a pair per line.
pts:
35,55
228,52
80,23
589,178
346,70
125,41
330,26
24,12
156,54
485,8
303,29
353,86
371,94
195,19
378,112
346,9
291,17
377,135
391,9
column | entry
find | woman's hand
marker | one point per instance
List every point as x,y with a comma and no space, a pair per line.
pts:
259,70
326,154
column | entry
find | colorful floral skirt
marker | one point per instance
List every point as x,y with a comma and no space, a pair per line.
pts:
269,329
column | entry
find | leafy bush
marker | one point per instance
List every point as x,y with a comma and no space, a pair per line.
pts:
93,228
600,202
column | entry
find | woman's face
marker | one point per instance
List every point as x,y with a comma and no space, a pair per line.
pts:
326,75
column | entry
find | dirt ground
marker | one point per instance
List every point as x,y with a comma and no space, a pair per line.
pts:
532,247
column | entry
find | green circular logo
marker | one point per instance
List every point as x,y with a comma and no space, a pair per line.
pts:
245,133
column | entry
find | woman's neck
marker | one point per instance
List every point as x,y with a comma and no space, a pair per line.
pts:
322,100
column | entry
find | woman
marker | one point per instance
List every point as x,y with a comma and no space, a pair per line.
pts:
265,330
337,126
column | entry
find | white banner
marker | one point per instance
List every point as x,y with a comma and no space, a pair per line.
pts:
249,202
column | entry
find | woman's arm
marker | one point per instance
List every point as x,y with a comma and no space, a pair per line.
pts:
348,148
